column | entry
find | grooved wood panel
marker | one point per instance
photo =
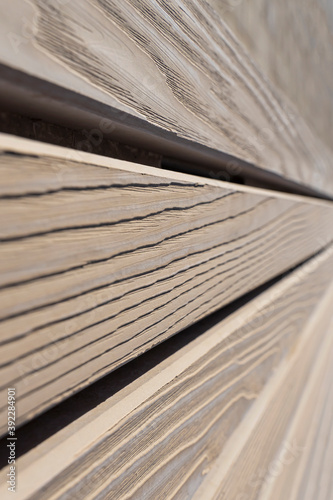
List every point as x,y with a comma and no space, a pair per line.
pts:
292,42
267,449
175,65
102,259
160,435
306,474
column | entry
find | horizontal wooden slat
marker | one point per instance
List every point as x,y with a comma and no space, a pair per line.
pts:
266,451
102,259
306,473
159,436
284,39
174,66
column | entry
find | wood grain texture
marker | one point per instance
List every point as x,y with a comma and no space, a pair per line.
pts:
266,450
102,259
292,42
175,65
160,435
309,474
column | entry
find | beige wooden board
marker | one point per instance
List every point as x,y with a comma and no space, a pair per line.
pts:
269,445
307,473
292,43
160,435
175,65
102,259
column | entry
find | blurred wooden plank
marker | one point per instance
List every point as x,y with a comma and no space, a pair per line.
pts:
262,457
159,436
306,474
102,259
171,70
292,43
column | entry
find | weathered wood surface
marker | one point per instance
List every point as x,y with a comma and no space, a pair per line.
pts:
309,474
286,429
292,43
234,389
102,259
175,65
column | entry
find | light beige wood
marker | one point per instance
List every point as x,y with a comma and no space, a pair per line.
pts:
292,43
265,452
175,65
161,434
102,259
307,474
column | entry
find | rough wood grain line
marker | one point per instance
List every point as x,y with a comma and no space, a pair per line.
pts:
250,457
306,473
102,259
159,436
194,79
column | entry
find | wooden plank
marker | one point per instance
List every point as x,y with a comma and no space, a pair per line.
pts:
251,462
102,259
160,435
307,474
194,81
284,39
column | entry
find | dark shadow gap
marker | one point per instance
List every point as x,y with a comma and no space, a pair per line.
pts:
63,117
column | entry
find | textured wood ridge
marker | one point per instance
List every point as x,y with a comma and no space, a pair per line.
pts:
160,436
175,65
102,259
